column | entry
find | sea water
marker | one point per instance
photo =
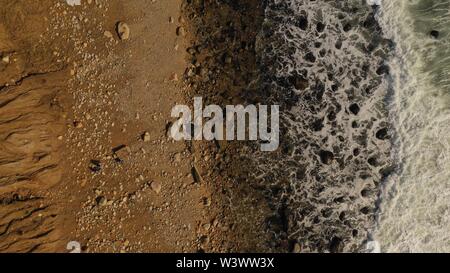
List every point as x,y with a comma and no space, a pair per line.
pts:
415,204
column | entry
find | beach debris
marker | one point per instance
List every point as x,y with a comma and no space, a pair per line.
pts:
123,30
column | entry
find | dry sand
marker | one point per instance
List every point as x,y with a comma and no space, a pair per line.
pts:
83,133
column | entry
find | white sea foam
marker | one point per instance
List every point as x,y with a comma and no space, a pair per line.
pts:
415,206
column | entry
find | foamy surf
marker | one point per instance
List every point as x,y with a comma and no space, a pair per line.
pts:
415,204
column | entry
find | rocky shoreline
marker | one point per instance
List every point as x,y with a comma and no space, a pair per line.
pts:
324,63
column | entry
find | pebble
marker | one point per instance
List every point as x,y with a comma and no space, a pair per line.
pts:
123,30
108,34
156,187
181,31
297,248
174,77
434,34
5,59
146,137
101,201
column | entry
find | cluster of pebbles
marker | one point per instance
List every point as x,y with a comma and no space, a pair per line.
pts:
323,63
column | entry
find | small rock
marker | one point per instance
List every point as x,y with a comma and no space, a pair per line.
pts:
354,108
123,30
207,226
108,34
181,31
77,124
434,34
156,187
146,137
174,77
122,152
206,201
382,134
297,248
5,59
101,201
95,166
204,240
177,157
326,157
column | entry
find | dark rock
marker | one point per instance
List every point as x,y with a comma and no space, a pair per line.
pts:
434,34
383,69
300,83
347,27
335,244
302,23
373,161
320,27
95,166
326,157
354,108
382,134
310,57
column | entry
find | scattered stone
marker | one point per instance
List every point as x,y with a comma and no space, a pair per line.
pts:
156,186
177,157
383,69
326,157
382,134
95,166
206,201
181,31
435,34
310,57
228,59
174,77
108,34
5,59
77,124
354,108
302,23
121,153
146,137
207,226
196,175
101,201
123,30
204,240
297,248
